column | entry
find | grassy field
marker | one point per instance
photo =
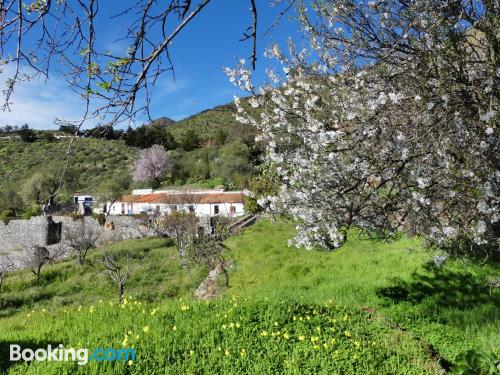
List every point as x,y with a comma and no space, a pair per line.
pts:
375,308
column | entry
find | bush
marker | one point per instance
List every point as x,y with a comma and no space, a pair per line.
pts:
251,205
101,219
7,215
31,211
76,216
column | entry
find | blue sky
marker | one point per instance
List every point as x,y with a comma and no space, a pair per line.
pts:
199,54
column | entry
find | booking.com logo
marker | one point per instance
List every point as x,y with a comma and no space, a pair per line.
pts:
62,354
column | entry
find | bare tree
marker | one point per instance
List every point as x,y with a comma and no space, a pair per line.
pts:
118,273
37,257
182,227
151,164
210,250
81,238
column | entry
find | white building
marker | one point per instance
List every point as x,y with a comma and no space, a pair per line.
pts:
200,202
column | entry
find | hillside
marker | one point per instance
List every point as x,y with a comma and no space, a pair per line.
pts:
370,308
92,160
207,149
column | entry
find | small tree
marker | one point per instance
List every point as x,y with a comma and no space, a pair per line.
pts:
6,265
112,189
151,165
181,226
118,273
81,238
37,257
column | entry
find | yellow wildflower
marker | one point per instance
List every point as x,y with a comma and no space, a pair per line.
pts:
348,333
301,338
286,335
174,328
146,329
227,353
263,333
130,362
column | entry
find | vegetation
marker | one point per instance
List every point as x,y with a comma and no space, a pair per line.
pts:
92,161
366,308
206,150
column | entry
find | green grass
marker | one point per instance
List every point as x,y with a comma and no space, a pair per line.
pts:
369,307
449,308
156,274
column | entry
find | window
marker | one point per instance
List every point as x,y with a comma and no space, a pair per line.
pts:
216,209
174,209
191,208
123,208
232,209
157,208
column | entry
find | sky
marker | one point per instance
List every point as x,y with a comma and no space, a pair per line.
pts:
207,45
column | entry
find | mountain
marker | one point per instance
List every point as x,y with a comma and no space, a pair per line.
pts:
162,121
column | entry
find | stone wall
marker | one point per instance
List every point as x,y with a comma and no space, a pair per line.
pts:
38,231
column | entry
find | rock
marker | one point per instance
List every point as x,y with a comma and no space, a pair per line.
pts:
208,288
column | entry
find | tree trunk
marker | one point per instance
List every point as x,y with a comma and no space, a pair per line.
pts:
120,293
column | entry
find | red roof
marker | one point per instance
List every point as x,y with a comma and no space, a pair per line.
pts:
199,198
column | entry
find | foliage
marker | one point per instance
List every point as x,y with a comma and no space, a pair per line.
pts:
44,185
29,212
7,215
385,121
473,362
10,199
26,134
93,161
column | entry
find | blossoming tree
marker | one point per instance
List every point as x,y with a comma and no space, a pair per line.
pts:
388,119
151,164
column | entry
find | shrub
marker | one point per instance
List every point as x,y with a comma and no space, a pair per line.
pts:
7,215
100,218
31,211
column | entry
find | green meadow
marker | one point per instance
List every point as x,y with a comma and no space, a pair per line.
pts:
371,307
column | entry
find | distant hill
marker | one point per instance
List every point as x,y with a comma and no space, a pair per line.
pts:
162,121
92,159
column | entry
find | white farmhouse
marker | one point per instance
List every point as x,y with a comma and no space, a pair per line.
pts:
202,203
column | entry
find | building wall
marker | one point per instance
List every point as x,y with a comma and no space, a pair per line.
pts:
200,209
